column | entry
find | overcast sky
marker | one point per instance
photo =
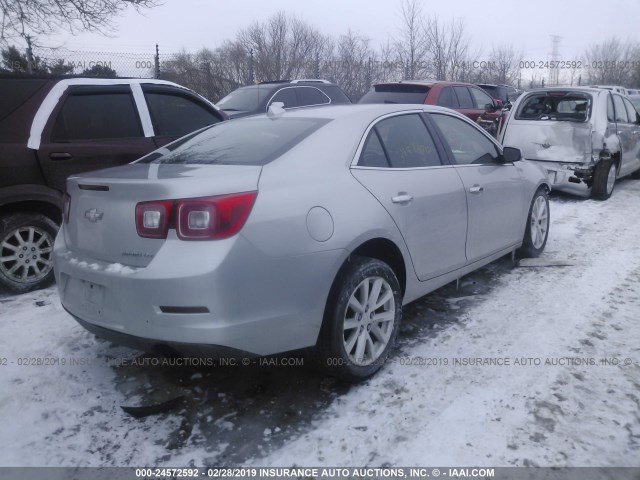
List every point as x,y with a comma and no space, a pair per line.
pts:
192,24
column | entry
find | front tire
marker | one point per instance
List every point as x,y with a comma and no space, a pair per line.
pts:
26,251
537,231
361,320
604,180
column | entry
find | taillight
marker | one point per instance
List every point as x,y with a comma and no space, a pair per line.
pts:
152,219
208,218
213,217
66,208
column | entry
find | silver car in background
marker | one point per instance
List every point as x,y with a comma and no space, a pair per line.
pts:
584,138
296,229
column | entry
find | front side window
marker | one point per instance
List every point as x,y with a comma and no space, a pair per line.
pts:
175,115
406,142
611,115
467,143
286,96
481,99
631,111
97,116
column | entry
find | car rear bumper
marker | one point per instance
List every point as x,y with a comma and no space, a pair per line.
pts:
244,300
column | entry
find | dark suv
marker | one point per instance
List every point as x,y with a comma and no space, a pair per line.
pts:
256,99
462,97
505,93
52,128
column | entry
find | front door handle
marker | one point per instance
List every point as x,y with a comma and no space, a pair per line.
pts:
476,189
402,198
60,156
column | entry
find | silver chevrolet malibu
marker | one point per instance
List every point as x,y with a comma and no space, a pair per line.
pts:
293,229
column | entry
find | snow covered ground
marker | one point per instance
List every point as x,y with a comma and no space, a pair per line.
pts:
525,366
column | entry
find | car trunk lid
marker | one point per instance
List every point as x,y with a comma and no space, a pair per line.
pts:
102,216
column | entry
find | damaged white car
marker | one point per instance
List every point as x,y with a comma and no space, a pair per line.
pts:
584,138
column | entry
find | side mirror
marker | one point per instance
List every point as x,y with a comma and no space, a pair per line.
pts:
511,154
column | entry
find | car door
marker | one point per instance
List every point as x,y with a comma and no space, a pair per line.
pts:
494,190
466,105
175,112
632,155
400,164
92,127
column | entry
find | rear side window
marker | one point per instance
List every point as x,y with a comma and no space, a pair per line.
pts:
464,97
564,106
447,98
621,111
175,115
405,141
97,116
396,93
311,96
468,145
248,141
373,154
335,94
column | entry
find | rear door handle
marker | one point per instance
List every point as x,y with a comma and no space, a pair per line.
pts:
402,198
60,156
476,189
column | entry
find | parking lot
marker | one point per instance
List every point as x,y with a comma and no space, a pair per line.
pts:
519,366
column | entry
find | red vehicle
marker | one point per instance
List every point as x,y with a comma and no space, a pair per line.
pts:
465,98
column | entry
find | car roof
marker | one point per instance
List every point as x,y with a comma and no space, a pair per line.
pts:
357,112
568,89
426,83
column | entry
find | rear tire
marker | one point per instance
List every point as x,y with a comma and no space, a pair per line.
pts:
361,320
537,231
604,180
26,251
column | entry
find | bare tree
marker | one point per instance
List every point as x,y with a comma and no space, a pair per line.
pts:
351,63
22,18
611,62
448,49
502,66
412,44
283,47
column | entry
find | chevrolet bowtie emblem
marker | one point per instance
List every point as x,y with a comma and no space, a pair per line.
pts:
93,215
544,145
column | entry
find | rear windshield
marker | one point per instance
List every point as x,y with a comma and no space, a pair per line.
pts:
395,93
250,141
567,106
247,99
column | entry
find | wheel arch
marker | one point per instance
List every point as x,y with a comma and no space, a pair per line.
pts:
381,249
32,199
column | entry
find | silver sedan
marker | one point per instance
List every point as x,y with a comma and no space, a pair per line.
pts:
294,229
